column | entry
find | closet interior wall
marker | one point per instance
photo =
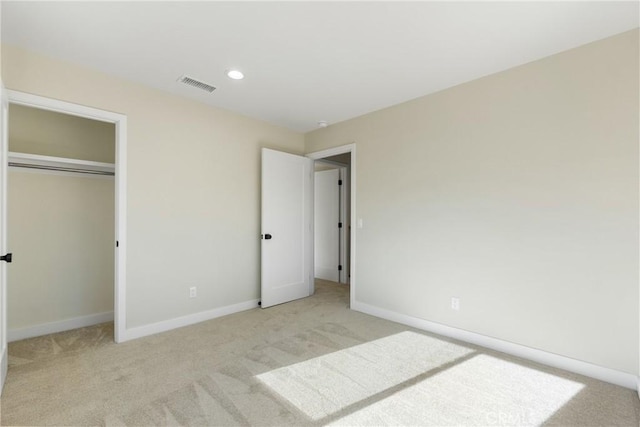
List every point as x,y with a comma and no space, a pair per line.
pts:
61,223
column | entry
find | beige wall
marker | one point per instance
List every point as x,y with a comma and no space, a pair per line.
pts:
319,167
518,194
60,135
61,231
192,192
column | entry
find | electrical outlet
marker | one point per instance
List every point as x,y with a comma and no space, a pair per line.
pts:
193,292
455,303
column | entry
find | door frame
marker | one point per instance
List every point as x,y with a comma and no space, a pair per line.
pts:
120,258
343,149
4,163
346,224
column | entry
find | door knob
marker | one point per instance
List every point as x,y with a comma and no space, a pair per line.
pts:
268,236
8,257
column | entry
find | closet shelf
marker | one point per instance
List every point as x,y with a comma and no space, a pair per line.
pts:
37,161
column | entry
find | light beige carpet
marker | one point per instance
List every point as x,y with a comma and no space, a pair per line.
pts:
309,362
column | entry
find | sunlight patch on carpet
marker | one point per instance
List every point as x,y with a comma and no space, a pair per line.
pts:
327,384
483,390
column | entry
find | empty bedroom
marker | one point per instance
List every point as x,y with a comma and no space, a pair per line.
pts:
320,213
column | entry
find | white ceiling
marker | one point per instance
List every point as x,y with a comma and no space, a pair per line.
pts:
309,61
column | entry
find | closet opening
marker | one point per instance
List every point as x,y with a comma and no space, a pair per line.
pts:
65,212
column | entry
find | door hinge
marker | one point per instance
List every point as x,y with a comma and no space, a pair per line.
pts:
339,268
117,244
339,182
339,225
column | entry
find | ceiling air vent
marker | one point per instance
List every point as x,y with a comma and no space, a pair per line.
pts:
196,83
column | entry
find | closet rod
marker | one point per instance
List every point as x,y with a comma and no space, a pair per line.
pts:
61,169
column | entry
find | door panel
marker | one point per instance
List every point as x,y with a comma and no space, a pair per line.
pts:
326,231
287,242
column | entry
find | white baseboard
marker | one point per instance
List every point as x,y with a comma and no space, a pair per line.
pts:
579,367
4,367
59,326
179,322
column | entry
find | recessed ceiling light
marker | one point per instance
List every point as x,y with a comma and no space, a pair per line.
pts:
235,74
323,124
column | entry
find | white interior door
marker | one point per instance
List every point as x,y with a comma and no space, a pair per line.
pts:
287,220
326,231
3,232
